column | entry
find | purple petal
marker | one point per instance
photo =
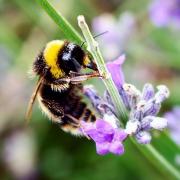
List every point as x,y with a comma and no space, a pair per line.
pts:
87,126
102,148
107,138
101,131
104,127
145,123
116,71
152,108
116,148
100,137
120,135
148,92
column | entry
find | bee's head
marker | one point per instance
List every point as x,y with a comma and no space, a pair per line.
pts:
61,57
73,58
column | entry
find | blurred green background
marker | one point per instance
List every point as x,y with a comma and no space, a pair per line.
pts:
44,151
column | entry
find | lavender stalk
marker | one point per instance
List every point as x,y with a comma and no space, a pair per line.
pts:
93,47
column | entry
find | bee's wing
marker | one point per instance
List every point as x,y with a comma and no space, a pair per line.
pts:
32,100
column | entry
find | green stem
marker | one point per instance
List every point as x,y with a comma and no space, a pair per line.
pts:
163,161
156,159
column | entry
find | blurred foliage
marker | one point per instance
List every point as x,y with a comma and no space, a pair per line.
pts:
153,55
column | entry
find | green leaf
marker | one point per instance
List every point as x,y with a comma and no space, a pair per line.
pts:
69,32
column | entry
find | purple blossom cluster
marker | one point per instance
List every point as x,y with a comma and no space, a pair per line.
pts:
143,108
106,132
163,13
108,139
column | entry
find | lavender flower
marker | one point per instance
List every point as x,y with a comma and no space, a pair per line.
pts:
107,138
104,108
143,110
143,106
116,70
173,118
106,133
163,13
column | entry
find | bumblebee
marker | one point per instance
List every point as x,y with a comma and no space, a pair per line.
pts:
59,87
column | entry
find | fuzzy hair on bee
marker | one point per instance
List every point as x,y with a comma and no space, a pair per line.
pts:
59,88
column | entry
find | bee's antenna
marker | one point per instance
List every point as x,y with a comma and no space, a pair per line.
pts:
100,34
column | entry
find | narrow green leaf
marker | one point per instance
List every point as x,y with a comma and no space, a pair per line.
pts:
68,31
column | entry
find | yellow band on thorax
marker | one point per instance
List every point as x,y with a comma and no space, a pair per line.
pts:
86,60
51,56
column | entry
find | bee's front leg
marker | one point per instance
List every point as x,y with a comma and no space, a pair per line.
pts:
76,77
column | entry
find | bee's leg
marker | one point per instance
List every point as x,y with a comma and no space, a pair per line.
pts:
61,81
80,77
76,78
73,124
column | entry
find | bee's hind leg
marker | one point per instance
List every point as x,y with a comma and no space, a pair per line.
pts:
72,125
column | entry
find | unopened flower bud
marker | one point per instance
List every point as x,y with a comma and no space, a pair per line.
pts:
158,123
143,137
162,94
148,92
132,126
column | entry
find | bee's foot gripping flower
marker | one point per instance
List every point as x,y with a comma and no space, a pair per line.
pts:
107,138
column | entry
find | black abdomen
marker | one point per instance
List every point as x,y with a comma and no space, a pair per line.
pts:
66,107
